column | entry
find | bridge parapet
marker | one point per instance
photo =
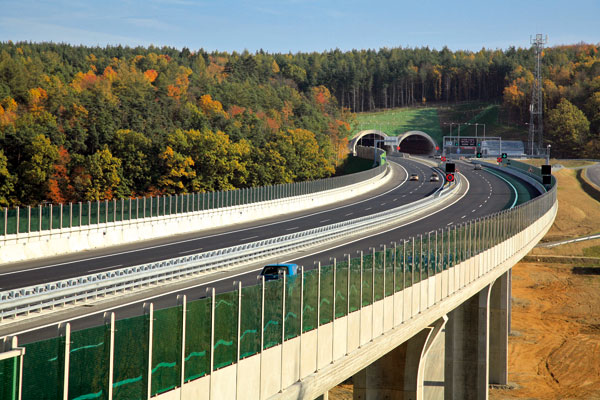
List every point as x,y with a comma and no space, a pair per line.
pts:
294,338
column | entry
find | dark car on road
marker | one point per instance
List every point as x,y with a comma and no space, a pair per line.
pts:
276,271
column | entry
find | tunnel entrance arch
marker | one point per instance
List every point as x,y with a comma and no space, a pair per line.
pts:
367,138
417,142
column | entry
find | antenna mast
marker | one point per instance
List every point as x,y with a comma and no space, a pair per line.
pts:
536,124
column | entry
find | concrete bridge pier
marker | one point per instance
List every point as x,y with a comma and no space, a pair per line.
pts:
476,350
399,374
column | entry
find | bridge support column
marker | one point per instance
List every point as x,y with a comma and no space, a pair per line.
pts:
399,374
467,349
499,309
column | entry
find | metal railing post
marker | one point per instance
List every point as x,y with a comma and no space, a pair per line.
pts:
109,320
182,301
65,333
149,311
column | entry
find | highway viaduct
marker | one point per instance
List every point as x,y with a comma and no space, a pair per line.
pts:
390,342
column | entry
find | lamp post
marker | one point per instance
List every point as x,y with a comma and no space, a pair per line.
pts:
548,154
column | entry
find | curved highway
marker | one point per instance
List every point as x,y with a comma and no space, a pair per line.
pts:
487,193
48,270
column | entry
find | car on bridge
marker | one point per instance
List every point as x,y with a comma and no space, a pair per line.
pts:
276,271
413,177
434,178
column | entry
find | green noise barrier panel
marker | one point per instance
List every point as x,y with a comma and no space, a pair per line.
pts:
131,358
379,282
9,378
293,303
341,289
88,363
355,284
310,317
225,341
166,349
43,370
273,319
390,259
399,259
250,321
326,298
367,280
197,339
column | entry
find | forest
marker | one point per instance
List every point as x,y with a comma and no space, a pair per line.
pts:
84,123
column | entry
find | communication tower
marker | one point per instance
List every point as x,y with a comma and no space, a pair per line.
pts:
536,124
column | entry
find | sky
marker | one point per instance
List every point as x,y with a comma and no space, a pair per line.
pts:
301,25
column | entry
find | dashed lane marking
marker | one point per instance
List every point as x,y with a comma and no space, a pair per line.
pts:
190,251
248,238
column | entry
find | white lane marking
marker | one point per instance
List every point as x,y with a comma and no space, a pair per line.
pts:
395,199
403,195
325,220
449,223
291,229
241,273
480,205
462,216
190,251
209,236
102,269
367,209
248,238
383,204
348,214
473,211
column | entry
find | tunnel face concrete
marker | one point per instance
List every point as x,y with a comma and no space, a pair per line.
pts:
417,142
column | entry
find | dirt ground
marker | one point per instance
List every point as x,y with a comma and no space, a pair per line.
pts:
554,347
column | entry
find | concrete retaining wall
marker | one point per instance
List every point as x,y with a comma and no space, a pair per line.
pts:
28,246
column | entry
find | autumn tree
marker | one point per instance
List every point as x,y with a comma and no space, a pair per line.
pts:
135,152
36,168
99,177
568,128
7,182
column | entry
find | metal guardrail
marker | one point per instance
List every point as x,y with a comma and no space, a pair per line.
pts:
47,296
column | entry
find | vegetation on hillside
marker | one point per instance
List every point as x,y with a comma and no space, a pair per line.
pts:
82,123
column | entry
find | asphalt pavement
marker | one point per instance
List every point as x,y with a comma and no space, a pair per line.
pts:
487,194
47,270
593,174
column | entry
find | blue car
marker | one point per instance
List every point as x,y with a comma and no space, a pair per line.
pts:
275,271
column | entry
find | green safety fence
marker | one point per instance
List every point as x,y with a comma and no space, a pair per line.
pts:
310,317
130,375
197,339
166,349
9,377
367,280
379,278
326,295
355,284
341,289
43,370
225,340
400,266
273,318
293,307
250,321
88,378
390,260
